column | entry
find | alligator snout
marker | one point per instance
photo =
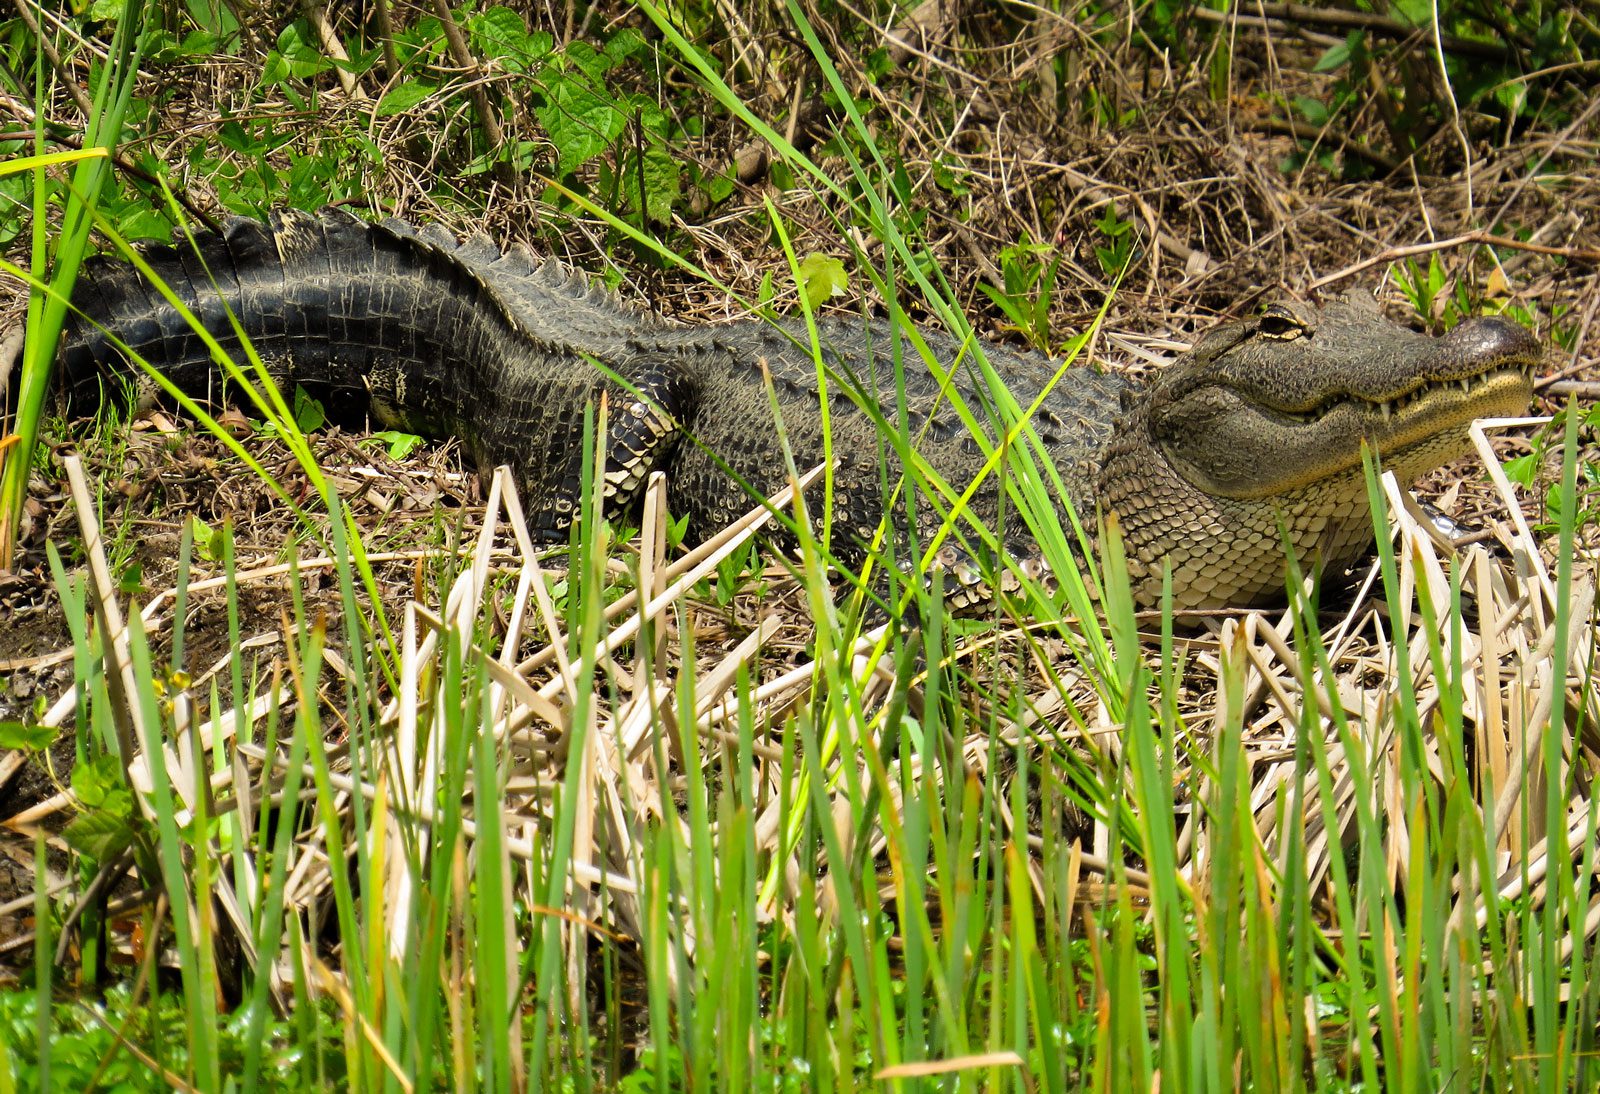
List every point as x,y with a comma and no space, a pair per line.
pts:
1490,342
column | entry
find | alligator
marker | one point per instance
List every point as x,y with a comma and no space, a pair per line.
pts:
1251,439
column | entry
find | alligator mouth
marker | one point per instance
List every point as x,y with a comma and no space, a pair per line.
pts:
1263,452
1397,409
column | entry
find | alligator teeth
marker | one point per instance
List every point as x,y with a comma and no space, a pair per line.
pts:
1389,407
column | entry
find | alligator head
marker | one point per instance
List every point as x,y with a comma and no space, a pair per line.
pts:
1257,432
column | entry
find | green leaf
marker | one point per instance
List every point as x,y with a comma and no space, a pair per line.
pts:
27,738
308,412
98,834
274,69
731,570
1007,305
1419,13
719,187
403,97
198,43
661,176
143,222
159,47
296,57
677,528
131,580
1512,95
588,60
623,45
654,121
822,277
1553,505
502,34
207,540
580,123
1312,110
951,178
230,134
1111,223
218,19
400,444
500,25
99,784
1522,469
1338,56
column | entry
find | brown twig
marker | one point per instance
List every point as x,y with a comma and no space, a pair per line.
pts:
1324,134
318,18
1537,169
122,162
1583,332
1294,15
1478,237
464,60
391,59
79,95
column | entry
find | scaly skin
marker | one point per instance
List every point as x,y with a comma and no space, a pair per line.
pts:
1261,423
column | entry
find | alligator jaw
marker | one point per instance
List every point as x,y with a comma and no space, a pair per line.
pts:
1295,453
1394,425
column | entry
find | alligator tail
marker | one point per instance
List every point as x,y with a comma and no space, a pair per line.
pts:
388,324
356,314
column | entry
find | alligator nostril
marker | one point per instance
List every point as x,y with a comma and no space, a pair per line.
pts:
1493,337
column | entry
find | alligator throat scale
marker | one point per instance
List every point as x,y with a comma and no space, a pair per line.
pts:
1257,428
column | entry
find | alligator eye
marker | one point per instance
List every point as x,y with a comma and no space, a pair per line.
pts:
1281,325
